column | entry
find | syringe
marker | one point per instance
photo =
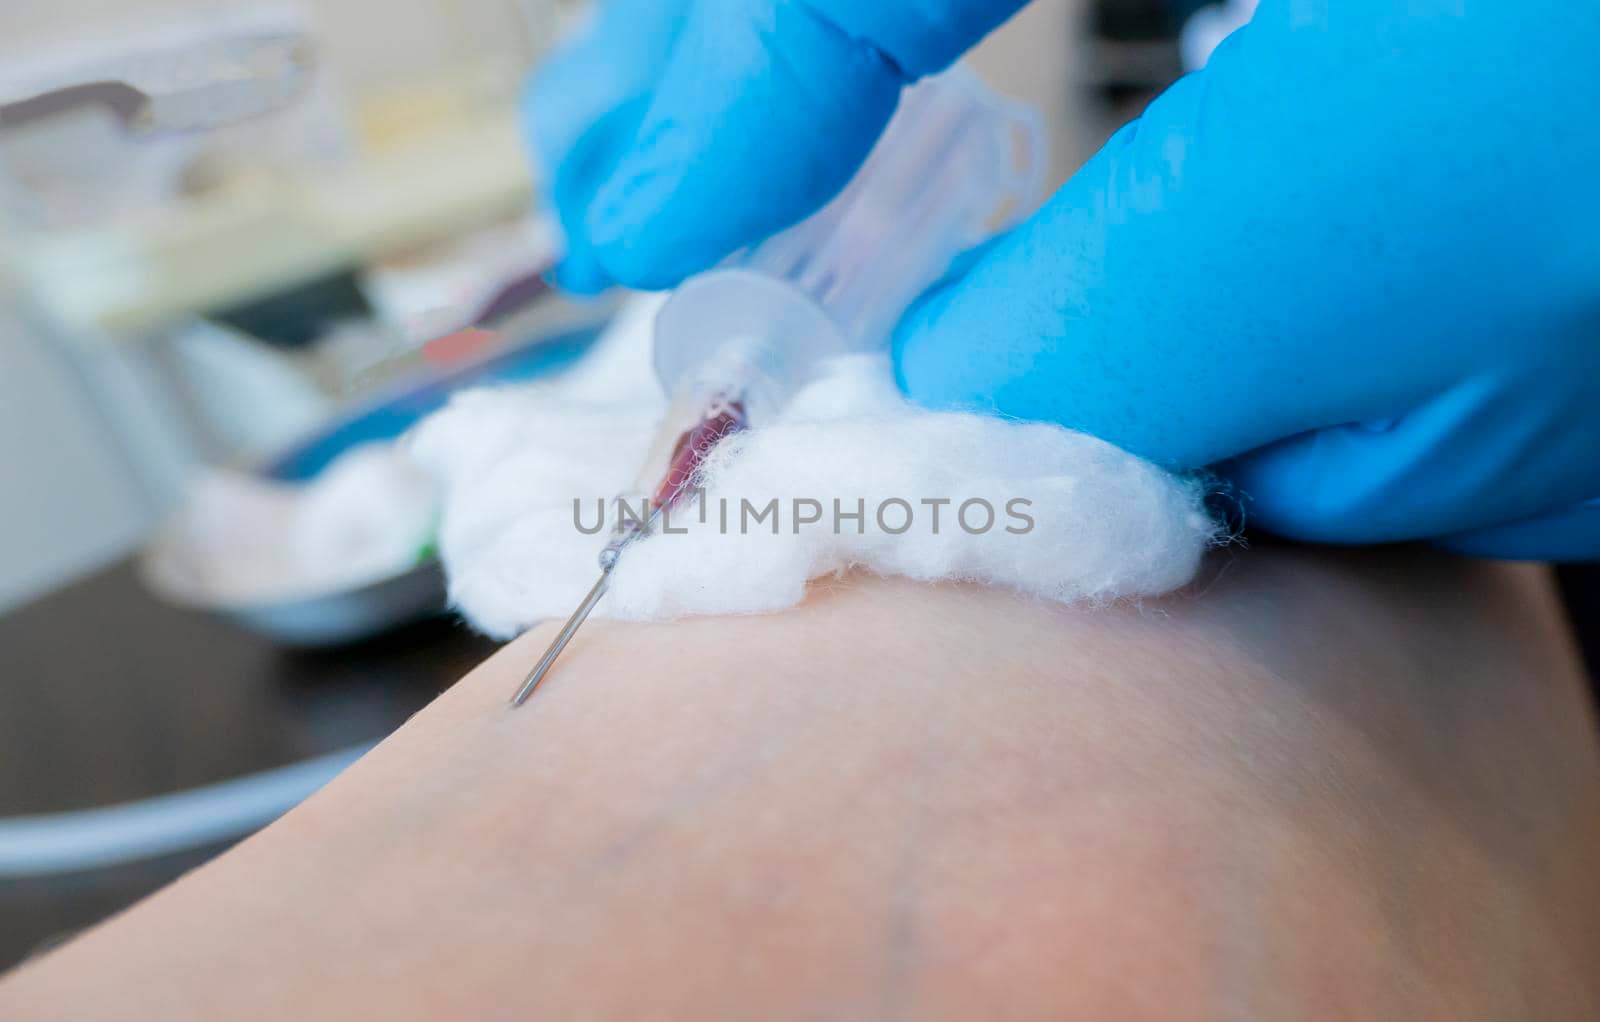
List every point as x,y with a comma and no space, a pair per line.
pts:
734,344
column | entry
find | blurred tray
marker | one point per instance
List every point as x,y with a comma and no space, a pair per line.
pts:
361,612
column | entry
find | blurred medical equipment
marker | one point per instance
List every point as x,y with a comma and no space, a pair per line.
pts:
220,231
331,541
344,555
1131,50
103,130
956,164
50,843
1207,27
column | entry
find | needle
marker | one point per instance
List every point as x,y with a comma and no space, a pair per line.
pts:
608,563
557,647
726,417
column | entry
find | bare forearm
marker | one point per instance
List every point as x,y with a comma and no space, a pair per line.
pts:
1306,788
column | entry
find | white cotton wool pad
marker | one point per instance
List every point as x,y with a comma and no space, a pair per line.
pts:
940,497
1049,512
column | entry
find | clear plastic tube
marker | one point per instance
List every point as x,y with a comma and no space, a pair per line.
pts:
957,163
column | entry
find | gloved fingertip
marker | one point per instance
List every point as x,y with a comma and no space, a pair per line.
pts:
633,231
763,114
580,275
901,347
918,364
1568,536
921,363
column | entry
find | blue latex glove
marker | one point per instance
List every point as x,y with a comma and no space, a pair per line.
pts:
583,108
1354,264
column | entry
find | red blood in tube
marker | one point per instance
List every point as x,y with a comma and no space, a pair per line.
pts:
724,419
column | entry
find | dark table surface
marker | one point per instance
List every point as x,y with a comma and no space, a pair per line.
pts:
108,695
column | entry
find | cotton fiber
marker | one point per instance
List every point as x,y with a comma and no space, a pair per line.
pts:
851,477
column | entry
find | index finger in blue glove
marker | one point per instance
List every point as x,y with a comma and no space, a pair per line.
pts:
582,109
765,111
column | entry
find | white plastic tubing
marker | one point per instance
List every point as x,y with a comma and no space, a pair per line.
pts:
55,843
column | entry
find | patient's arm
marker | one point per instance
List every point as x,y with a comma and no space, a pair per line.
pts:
1358,786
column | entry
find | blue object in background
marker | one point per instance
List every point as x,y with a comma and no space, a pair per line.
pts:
389,417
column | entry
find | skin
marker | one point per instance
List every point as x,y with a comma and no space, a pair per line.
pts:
1318,786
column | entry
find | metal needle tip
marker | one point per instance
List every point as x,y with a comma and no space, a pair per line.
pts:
564,637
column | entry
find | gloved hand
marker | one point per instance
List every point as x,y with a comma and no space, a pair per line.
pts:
1354,264
582,110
